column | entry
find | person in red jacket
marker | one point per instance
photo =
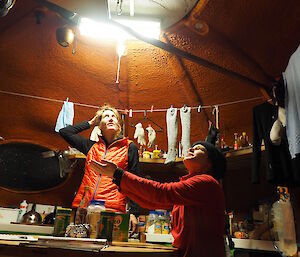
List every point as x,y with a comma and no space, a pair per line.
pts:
198,215
113,147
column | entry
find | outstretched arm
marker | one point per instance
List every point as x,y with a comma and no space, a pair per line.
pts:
149,193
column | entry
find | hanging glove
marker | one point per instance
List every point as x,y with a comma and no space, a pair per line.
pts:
140,134
151,136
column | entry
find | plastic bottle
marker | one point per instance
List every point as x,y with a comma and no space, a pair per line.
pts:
235,142
156,153
165,224
283,219
150,222
82,208
93,215
158,222
23,210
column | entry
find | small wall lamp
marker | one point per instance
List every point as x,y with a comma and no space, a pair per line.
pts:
64,36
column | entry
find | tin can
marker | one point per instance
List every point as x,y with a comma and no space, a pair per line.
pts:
62,220
105,225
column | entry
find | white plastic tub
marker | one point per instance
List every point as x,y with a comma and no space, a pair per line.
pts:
8,215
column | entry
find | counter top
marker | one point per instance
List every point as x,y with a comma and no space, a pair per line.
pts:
125,249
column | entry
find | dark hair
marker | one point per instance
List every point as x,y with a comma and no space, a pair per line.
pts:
217,159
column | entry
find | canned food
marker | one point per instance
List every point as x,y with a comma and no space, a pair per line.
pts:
62,220
105,225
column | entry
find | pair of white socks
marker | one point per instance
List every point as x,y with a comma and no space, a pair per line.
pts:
172,131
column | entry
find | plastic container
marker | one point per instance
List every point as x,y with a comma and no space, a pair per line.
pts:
284,224
150,222
93,215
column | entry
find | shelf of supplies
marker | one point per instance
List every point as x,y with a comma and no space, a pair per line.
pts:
241,151
232,153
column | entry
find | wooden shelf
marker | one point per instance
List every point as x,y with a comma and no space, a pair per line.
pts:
229,154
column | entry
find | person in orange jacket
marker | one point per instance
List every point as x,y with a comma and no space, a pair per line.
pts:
111,146
198,215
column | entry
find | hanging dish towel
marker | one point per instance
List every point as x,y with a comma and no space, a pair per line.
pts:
65,116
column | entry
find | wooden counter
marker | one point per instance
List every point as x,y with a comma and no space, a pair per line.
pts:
13,249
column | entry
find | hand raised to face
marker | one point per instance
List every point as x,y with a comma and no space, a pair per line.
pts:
103,167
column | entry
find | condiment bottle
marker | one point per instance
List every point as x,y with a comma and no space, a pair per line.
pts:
156,153
244,140
23,210
236,142
82,208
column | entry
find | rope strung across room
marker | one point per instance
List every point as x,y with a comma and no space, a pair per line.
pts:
131,111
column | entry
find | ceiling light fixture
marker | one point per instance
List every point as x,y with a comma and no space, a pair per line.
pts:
131,7
147,28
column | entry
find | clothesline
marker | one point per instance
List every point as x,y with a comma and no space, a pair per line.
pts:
198,108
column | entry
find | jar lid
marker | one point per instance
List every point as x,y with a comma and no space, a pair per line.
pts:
97,202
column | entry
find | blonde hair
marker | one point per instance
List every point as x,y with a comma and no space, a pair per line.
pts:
106,107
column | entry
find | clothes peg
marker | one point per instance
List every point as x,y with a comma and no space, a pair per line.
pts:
199,108
152,107
145,113
130,113
171,106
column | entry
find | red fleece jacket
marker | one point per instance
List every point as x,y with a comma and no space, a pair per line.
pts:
198,216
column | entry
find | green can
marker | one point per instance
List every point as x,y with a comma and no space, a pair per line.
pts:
105,225
62,220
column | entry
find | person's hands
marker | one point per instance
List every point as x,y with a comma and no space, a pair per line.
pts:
104,167
133,224
94,121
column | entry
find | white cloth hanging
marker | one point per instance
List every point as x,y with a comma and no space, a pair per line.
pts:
292,102
139,134
151,136
66,115
185,117
172,131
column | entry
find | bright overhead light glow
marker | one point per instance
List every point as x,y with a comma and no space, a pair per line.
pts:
150,29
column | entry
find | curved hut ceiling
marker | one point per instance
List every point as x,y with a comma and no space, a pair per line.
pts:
251,38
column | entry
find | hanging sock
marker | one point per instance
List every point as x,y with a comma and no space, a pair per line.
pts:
172,130
66,115
96,133
185,116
